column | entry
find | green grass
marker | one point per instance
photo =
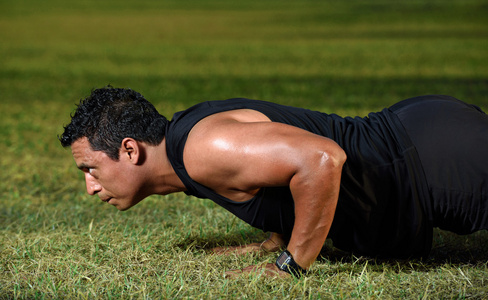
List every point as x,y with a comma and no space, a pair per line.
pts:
345,57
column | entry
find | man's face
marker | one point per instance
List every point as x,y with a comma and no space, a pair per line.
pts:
113,181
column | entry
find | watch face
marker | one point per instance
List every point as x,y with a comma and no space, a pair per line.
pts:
286,263
283,259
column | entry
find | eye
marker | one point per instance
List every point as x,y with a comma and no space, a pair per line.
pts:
92,172
88,170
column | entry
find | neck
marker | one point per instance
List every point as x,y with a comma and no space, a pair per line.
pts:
161,175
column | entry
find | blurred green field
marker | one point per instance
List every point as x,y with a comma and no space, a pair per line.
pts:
345,57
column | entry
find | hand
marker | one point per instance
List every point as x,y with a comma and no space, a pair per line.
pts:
266,269
239,250
274,243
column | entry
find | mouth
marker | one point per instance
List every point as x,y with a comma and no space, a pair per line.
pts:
106,200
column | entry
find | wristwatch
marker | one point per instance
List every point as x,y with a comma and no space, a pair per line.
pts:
285,262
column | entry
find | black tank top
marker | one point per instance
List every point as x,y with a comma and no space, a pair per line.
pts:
382,207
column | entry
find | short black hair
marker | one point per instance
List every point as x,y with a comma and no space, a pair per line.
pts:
111,114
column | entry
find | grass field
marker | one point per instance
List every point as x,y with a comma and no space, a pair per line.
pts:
347,57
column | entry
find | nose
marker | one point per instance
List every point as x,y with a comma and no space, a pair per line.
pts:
92,185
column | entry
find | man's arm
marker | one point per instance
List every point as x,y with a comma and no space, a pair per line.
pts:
315,205
242,157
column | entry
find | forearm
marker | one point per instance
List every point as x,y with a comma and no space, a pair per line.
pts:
315,205
306,242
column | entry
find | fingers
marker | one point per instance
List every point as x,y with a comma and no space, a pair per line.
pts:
271,245
238,250
274,243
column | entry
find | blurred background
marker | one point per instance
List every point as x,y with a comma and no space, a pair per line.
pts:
332,55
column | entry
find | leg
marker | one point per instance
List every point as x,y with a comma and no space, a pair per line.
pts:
451,138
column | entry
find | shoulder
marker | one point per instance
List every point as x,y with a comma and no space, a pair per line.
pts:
216,140
215,147
228,125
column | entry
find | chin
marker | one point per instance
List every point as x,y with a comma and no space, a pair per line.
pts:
126,206
123,208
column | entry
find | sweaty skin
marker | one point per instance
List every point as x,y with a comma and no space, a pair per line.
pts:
244,151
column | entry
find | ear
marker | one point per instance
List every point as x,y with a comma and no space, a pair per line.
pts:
131,151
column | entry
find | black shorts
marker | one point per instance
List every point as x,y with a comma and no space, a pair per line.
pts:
451,138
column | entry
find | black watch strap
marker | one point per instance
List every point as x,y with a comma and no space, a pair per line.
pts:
286,263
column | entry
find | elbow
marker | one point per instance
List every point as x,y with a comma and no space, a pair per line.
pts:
334,158
341,157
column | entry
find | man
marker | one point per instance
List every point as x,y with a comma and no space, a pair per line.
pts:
376,185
